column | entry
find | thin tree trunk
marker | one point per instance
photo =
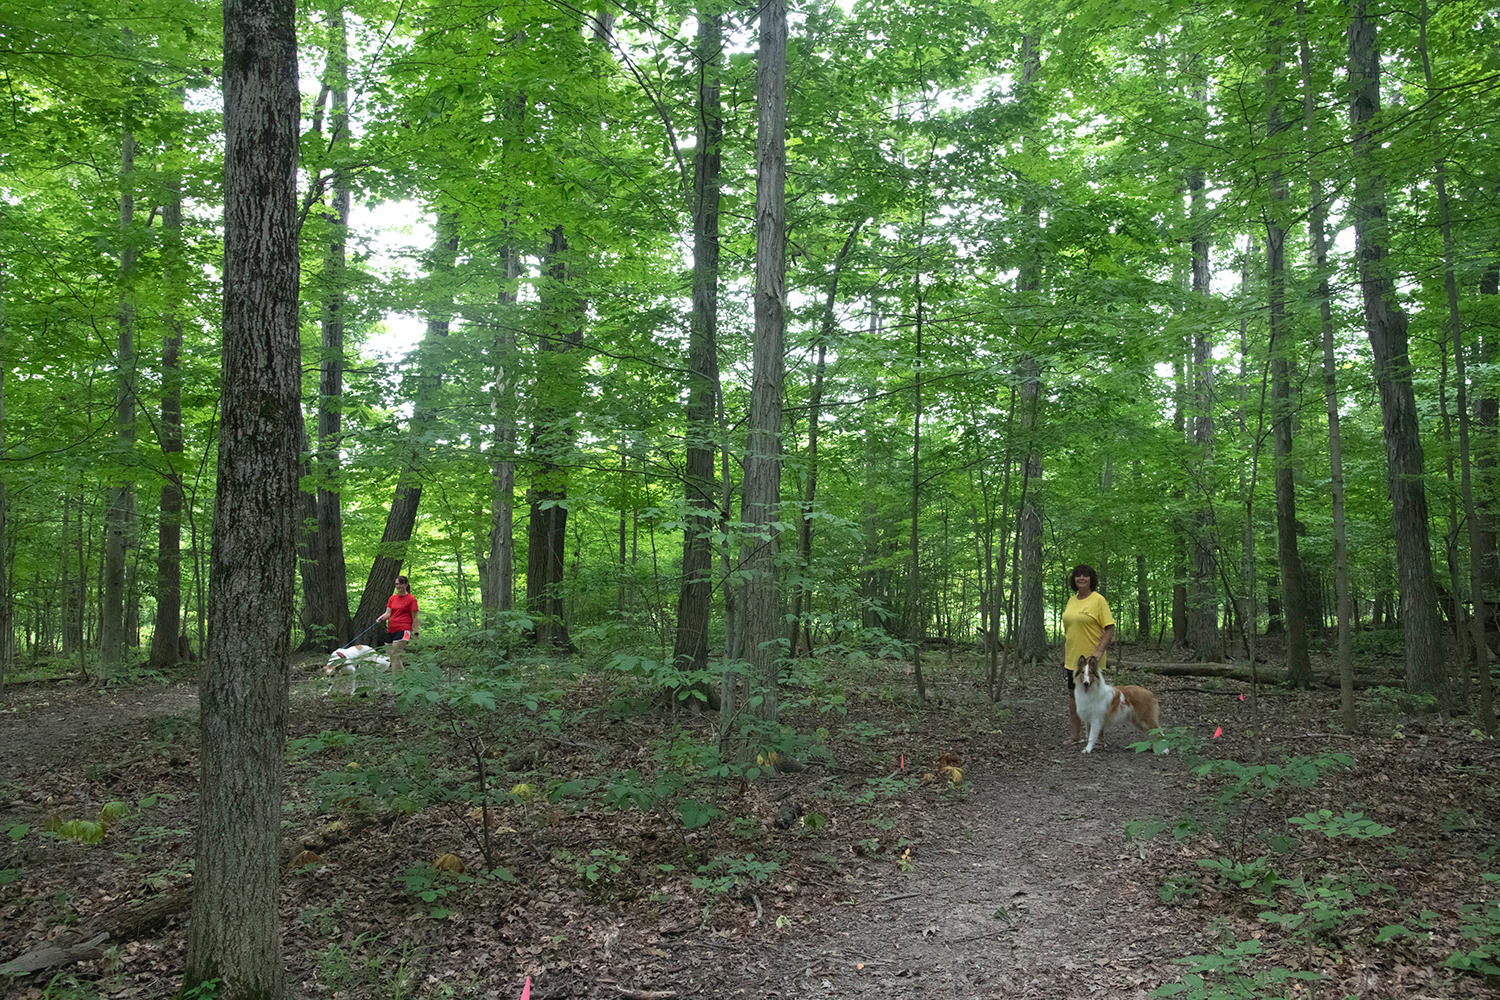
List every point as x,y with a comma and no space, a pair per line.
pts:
168,625
1450,289
1031,641
499,592
694,598
1487,417
403,513
1385,324
914,588
1283,359
1317,227
7,607
1031,631
814,418
121,512
233,934
1181,524
1203,602
331,609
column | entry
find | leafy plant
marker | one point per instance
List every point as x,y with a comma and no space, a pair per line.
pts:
601,866
1255,874
1250,780
1351,824
1225,975
726,873
1479,923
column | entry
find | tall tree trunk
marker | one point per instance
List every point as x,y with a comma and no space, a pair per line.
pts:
499,590
1455,323
1385,324
814,418
7,607
1203,593
1318,230
164,645
233,933
1179,494
1031,639
917,620
874,600
761,605
429,365
1142,600
551,444
1487,417
330,609
690,645
121,512
1283,358
1031,630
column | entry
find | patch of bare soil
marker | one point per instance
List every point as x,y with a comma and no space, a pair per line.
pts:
868,874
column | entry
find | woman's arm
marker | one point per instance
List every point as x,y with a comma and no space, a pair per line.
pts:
1104,637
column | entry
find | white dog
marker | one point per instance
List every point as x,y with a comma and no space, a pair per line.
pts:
1099,702
349,659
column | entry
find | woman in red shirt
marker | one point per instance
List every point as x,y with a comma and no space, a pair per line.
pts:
401,621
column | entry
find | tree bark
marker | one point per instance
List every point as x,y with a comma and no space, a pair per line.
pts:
234,934
329,603
1031,637
7,608
498,593
1031,632
121,512
168,625
1318,230
760,501
1455,324
550,446
1203,594
917,619
694,598
1283,358
1385,324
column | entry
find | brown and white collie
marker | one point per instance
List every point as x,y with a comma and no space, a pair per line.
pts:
350,659
1100,703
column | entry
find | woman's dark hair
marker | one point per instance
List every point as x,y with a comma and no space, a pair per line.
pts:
404,581
1080,570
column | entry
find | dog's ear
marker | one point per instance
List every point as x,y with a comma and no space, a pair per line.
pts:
1094,662
1081,660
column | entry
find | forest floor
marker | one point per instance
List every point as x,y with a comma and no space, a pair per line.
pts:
620,867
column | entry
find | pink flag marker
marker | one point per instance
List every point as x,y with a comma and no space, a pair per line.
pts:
526,990
1217,733
903,762
1242,697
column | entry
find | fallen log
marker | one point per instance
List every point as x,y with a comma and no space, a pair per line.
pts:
124,923
1265,675
133,919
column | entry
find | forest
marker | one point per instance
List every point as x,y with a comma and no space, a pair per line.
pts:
717,372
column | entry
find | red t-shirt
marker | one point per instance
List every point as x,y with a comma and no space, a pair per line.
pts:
402,608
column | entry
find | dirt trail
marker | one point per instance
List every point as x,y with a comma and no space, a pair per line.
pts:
1026,889
44,728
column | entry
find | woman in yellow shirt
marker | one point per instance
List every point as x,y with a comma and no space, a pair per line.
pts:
1088,627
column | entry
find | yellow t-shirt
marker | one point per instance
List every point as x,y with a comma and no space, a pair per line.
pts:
1084,621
